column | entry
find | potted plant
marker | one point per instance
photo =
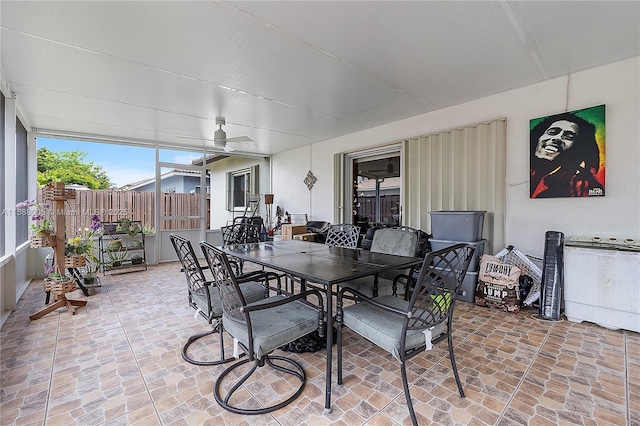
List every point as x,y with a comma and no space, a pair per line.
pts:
133,229
148,229
136,259
58,283
56,276
127,226
91,269
122,224
77,246
42,227
114,245
117,257
76,249
109,227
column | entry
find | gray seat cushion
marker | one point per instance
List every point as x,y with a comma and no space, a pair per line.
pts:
293,320
251,290
384,328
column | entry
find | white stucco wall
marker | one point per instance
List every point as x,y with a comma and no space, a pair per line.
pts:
220,216
615,215
289,169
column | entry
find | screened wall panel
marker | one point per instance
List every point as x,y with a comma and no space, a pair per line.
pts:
3,178
462,169
22,181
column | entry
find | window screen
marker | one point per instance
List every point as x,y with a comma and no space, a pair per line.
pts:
22,190
3,178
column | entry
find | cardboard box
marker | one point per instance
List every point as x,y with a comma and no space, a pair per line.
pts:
288,231
306,237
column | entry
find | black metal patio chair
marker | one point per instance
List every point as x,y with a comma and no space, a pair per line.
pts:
260,328
205,298
405,328
240,233
400,241
343,235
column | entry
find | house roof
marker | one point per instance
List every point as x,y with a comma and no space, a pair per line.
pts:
210,158
174,172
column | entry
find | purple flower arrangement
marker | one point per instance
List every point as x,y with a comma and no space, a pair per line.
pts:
39,213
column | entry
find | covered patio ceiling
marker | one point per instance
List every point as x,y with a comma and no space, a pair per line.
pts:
286,74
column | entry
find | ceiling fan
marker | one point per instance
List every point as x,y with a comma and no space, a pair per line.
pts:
220,139
390,169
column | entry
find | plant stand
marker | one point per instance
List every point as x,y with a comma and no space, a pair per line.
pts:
115,242
59,289
58,194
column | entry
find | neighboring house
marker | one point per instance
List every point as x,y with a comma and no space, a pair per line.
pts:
178,181
77,187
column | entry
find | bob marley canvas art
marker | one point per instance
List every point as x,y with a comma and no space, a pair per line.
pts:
567,154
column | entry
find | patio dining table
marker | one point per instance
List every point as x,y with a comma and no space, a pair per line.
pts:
320,264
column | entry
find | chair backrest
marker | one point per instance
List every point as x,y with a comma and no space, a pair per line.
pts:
190,265
240,233
298,218
401,241
319,226
343,235
225,280
435,293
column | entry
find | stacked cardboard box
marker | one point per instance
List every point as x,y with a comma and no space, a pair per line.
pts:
311,236
288,231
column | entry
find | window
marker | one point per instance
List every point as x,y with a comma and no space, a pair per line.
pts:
239,189
241,184
375,188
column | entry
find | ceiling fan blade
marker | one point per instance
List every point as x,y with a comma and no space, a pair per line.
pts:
195,138
228,148
240,139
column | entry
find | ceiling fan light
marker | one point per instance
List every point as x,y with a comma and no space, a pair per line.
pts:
220,138
390,168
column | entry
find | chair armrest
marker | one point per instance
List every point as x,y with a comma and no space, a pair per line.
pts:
410,283
261,275
251,276
361,298
285,300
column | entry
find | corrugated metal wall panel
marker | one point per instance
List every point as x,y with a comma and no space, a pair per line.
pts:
462,169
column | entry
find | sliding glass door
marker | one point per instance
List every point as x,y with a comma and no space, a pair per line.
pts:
373,189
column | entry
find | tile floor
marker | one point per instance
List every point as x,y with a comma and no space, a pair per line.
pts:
117,362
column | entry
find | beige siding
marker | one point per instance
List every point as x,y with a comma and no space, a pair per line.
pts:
462,169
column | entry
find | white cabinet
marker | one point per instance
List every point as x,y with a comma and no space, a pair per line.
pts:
602,286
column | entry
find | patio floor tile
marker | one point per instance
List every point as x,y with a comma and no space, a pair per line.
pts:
118,361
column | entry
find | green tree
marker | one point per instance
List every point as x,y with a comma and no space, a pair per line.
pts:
70,167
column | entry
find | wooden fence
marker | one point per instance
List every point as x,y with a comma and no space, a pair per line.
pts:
112,205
